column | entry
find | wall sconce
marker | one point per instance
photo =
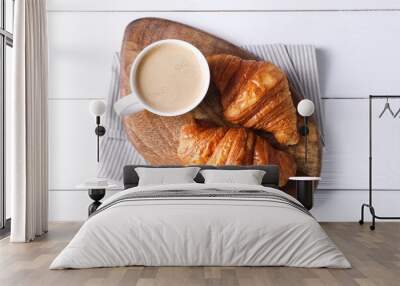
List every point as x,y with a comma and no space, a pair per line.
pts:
306,109
97,108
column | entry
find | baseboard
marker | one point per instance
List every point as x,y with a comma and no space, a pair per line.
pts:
329,205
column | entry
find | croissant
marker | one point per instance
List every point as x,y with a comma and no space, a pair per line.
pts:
201,144
255,94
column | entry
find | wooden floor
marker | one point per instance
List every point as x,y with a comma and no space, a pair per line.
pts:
375,257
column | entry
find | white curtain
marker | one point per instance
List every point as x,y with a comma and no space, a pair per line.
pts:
27,121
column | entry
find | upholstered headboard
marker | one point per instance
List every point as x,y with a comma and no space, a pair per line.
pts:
271,177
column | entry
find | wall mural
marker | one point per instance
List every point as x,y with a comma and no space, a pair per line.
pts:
247,117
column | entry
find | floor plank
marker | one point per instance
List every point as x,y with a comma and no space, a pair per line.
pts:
375,257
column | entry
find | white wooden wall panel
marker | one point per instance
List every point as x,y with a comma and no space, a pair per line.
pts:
345,161
385,147
70,205
81,48
72,143
81,53
190,5
358,53
345,157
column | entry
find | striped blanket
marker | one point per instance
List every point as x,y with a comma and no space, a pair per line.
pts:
204,194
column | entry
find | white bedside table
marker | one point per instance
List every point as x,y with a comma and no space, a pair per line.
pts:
96,193
305,190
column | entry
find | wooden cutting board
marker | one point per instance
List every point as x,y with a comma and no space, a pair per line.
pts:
157,137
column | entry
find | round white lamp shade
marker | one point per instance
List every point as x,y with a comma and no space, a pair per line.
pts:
305,108
97,107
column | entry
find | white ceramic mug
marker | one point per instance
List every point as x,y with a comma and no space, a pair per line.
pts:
134,103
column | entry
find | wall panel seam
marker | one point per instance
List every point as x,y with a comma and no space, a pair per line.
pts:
76,98
224,11
95,98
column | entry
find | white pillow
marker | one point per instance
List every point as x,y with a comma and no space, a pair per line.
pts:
165,176
247,177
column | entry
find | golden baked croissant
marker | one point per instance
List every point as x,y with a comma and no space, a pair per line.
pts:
255,94
204,145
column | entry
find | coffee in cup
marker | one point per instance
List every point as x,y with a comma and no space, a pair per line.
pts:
168,78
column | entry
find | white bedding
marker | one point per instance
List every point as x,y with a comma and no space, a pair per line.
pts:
200,231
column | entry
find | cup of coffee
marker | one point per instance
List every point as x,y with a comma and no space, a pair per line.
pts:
168,78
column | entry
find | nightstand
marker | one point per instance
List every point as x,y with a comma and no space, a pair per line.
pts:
96,193
305,189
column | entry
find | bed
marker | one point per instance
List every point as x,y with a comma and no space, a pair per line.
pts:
198,224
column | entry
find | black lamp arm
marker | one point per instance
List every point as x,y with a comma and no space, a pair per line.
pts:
304,130
100,131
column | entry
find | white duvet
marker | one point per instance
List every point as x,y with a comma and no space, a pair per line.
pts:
200,231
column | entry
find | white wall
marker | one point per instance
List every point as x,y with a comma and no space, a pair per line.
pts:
358,53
